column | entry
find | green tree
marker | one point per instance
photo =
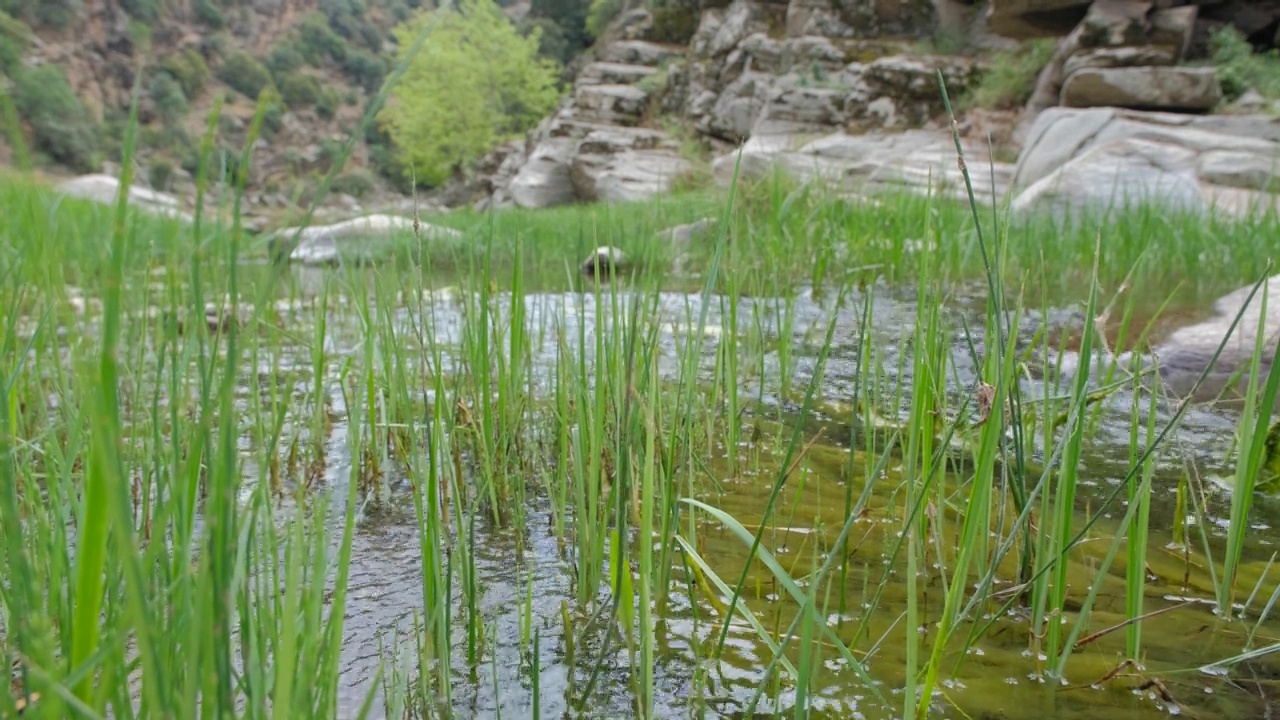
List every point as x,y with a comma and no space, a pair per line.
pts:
474,83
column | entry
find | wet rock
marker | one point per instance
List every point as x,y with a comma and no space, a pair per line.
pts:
105,189
359,238
1186,352
1074,159
605,262
1152,88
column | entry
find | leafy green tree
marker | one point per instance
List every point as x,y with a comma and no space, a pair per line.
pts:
475,82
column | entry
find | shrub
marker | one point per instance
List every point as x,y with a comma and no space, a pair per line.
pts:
327,104
600,13
1011,78
188,68
15,38
59,121
57,14
1240,68
159,174
365,69
392,167
478,82
209,14
357,183
675,24
170,101
244,74
299,89
318,41
145,10
284,58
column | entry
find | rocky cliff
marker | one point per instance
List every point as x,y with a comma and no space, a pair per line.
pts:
847,90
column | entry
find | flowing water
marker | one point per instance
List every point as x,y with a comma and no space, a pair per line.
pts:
999,679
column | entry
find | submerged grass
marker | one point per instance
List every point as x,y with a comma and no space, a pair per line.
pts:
185,469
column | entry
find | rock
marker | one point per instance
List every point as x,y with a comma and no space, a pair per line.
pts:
605,262
1186,352
634,24
641,52
105,189
627,176
606,73
859,18
1024,19
322,245
735,111
611,104
682,236
1156,88
625,165
903,91
1114,57
1127,171
919,161
1091,158
543,179
1112,23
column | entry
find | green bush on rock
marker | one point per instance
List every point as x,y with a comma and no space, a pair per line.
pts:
475,82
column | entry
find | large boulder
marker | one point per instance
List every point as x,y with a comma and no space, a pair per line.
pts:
1034,18
625,164
1151,88
1104,157
918,161
543,180
105,189
362,238
1185,353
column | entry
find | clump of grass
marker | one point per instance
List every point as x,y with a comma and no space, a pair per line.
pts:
1240,68
1011,77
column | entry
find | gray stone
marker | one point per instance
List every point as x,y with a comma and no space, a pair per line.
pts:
1164,88
327,244
682,236
1034,18
641,52
1091,158
1239,169
918,161
627,176
1120,57
1116,174
105,189
1186,352
616,104
543,179
606,73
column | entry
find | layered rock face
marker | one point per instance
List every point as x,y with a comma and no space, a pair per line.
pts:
839,91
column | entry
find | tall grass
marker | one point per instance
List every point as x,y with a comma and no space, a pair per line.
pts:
178,516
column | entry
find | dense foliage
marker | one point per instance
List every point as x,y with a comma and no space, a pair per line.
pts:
58,119
475,82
